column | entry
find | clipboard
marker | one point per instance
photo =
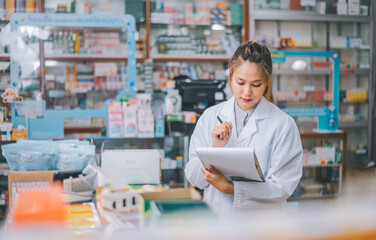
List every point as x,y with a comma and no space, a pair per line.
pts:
236,164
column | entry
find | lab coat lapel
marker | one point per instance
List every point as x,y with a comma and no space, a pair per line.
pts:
227,114
261,112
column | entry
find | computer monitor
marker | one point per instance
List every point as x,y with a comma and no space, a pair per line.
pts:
197,95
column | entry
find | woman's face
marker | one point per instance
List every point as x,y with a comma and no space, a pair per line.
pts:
248,85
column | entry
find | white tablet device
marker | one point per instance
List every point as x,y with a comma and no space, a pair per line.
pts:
237,164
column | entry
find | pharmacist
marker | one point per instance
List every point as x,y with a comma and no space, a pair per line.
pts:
250,119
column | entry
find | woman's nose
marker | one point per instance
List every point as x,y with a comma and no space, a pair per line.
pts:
247,90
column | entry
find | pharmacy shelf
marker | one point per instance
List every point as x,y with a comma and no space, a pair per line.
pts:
4,57
155,24
359,102
319,166
273,49
194,58
316,72
297,16
313,196
92,57
309,73
117,138
344,125
356,71
82,129
307,124
359,124
323,135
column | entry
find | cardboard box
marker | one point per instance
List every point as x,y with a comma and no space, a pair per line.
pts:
179,193
21,176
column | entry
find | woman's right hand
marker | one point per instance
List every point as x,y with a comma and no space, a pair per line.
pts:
221,134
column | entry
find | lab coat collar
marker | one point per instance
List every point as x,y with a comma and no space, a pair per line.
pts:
262,111
227,114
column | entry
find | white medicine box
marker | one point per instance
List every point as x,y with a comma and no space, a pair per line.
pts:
355,2
354,10
341,9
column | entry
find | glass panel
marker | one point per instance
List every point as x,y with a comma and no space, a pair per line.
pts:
28,39
319,35
4,75
85,7
68,82
194,41
10,7
196,28
322,7
133,7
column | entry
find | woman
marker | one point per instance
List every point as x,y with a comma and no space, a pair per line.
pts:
250,119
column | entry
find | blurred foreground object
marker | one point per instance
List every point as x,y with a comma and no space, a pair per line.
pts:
44,205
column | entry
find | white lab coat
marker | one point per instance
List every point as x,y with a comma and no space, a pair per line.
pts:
277,143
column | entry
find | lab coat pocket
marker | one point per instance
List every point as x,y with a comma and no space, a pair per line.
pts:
263,155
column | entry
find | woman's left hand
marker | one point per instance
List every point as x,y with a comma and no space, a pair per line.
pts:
215,178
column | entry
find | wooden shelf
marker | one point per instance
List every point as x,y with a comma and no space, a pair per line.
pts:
94,57
298,16
82,129
166,58
4,57
325,135
322,166
313,196
193,25
359,124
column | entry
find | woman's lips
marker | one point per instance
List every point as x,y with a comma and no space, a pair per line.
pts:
246,100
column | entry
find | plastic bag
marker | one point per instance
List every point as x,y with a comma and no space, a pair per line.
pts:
37,156
10,152
74,156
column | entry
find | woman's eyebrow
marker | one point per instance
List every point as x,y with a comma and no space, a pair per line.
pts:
254,81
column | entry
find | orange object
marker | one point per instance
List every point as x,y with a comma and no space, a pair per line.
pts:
38,206
222,5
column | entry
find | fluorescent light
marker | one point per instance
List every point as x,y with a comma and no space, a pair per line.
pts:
217,27
51,63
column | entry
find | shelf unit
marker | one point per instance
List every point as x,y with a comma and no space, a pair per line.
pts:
144,24
320,139
4,57
279,19
91,57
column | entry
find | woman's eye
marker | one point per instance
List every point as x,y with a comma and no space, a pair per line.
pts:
257,85
240,83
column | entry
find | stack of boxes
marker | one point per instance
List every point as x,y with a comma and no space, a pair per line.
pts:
351,7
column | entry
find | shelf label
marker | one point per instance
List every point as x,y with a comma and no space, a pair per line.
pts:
278,57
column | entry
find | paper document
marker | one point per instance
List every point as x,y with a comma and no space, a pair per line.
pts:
238,164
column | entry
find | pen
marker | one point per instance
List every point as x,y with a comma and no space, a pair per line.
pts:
220,121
